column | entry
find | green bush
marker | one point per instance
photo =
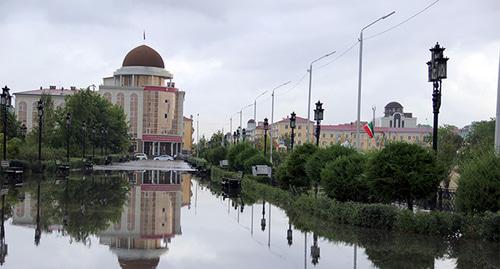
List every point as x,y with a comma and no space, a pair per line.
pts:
479,184
342,179
404,172
292,173
321,157
233,152
243,156
257,159
217,154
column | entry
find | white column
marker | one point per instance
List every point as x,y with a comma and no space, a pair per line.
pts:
171,148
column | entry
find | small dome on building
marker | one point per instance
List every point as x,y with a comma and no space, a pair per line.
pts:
251,121
393,105
143,56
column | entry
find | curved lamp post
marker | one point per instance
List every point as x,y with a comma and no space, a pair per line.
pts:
358,125
437,71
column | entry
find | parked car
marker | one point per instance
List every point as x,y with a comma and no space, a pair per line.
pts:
163,158
141,156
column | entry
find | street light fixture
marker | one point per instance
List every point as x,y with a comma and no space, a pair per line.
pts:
358,125
24,130
318,117
234,137
5,100
243,134
309,99
238,135
293,119
266,127
437,69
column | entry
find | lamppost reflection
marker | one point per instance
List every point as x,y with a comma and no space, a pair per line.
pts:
263,220
38,231
3,245
289,234
315,250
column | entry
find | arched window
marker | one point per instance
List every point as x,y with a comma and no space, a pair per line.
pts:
133,114
107,96
22,112
120,99
34,114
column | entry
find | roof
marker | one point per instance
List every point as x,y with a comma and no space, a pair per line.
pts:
393,105
143,56
187,119
52,92
297,120
351,127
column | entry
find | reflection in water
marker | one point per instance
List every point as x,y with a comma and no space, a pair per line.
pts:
38,232
150,218
3,245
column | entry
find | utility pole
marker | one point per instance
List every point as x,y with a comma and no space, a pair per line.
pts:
497,124
198,135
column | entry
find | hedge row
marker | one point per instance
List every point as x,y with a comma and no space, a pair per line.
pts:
444,224
51,166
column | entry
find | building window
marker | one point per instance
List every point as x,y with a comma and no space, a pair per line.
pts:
120,99
390,124
133,114
23,112
107,96
165,115
34,114
300,142
299,134
324,135
299,127
286,126
409,137
403,124
331,135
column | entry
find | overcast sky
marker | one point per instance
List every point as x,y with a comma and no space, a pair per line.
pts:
223,53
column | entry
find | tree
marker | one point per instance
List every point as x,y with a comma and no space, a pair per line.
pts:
480,140
257,159
479,184
321,157
292,173
342,178
403,171
217,154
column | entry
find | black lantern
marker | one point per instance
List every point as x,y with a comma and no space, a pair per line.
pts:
437,70
289,234
238,135
293,119
266,127
263,220
244,133
24,130
318,112
234,137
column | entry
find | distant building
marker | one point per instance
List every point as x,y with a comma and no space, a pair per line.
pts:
395,117
281,131
187,137
27,101
150,99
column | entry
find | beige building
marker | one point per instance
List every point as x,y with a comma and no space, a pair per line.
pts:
187,138
152,103
26,103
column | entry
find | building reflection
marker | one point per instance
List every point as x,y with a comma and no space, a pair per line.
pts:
150,218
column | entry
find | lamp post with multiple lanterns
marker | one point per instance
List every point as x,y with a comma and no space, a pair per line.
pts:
293,119
6,100
436,72
318,117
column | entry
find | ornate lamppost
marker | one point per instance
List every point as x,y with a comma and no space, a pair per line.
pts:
318,117
238,135
437,72
293,119
40,108
68,133
234,137
243,134
5,100
266,127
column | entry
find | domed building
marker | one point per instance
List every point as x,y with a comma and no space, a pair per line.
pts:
153,105
395,117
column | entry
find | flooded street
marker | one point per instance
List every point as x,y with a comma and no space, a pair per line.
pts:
156,219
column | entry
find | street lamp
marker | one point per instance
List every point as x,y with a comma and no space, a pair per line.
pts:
255,110
84,131
5,100
24,130
437,71
40,108
272,121
318,117
358,125
266,127
68,133
310,86
234,137
243,133
293,119
263,220
238,135
289,234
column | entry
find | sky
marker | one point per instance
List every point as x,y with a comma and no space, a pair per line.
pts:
225,53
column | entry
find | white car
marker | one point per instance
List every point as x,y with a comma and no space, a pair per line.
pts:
141,156
163,158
